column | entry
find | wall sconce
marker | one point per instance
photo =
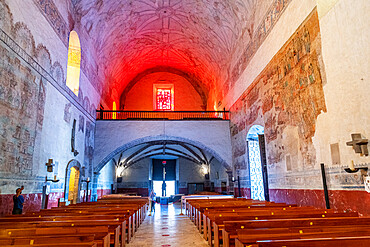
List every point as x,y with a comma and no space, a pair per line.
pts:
55,180
351,168
49,168
364,174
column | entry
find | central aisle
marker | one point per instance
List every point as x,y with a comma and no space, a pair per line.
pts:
166,228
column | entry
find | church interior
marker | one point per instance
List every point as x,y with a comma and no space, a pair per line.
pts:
248,100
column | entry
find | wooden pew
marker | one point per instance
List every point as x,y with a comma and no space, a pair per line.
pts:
91,244
113,226
363,241
199,208
99,213
229,230
113,213
213,217
32,240
293,222
210,213
248,237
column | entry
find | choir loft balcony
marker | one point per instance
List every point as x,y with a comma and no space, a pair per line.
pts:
161,115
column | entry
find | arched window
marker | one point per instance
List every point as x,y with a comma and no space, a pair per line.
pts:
257,163
74,61
114,115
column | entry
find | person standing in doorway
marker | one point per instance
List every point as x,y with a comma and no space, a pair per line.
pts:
18,201
164,188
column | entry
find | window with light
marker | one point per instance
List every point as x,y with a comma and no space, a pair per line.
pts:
163,99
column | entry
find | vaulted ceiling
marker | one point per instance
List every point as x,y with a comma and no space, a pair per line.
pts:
162,150
202,38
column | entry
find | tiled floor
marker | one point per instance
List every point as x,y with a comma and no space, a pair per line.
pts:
166,228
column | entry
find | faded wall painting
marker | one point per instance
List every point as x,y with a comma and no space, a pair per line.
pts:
22,102
286,98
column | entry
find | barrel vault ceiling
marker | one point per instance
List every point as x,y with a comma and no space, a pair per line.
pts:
202,38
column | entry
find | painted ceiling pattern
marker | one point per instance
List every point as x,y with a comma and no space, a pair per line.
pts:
204,38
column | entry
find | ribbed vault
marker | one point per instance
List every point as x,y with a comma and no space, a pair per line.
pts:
201,38
164,148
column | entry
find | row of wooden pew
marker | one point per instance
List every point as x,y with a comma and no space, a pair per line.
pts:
244,222
110,221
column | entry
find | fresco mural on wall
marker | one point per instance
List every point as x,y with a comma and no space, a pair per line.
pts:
26,72
287,96
22,94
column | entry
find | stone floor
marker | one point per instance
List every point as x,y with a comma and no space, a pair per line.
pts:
166,228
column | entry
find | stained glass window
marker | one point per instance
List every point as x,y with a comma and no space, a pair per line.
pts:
164,99
257,189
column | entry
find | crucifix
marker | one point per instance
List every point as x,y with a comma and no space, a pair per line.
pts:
359,144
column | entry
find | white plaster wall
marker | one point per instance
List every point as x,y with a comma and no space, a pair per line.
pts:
290,20
56,133
27,12
216,167
106,176
110,135
137,173
54,141
345,32
190,172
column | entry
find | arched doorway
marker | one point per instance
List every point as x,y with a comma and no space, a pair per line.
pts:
72,182
257,163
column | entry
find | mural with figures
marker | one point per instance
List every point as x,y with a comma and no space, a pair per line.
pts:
286,99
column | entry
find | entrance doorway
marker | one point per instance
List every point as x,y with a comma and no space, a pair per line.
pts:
73,185
72,182
170,188
257,163
164,177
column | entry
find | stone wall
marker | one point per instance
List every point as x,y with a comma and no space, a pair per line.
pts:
298,97
140,97
37,110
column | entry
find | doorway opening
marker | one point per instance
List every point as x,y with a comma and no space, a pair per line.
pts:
164,177
72,183
257,163
170,188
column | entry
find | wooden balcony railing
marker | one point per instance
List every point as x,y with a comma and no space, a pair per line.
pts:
161,115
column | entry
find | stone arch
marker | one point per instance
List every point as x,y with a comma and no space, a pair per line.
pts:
93,110
43,57
195,82
6,18
133,143
86,103
58,73
256,158
24,38
72,163
80,97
